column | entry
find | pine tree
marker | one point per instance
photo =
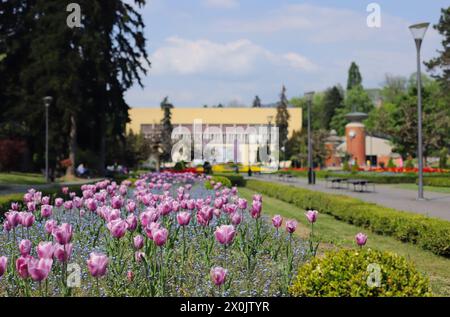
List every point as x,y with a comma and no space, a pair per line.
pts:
332,101
256,102
166,129
282,118
354,77
442,62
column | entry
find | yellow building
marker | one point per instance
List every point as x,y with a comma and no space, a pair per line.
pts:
147,120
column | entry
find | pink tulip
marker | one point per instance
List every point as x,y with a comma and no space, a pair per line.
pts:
13,218
150,229
255,211
45,250
97,264
27,219
65,190
138,242
132,222
131,206
3,264
50,225
25,247
160,236
117,227
236,218
7,226
68,205
46,211
117,202
39,269
257,197
277,221
225,234
59,202
183,218
361,239
149,216
291,226
15,206
31,206
139,256
311,215
78,202
218,275
130,276
242,203
63,252
63,233
91,204
22,266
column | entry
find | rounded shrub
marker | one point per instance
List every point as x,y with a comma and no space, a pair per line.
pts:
359,273
218,179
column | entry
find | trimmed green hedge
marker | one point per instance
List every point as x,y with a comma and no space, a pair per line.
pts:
235,179
354,273
436,181
429,233
218,179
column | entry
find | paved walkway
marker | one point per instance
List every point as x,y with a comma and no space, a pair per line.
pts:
436,204
6,189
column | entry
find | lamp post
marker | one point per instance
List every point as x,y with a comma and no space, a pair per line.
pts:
311,174
269,139
47,102
418,31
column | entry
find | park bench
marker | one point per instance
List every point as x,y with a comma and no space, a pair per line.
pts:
334,181
362,184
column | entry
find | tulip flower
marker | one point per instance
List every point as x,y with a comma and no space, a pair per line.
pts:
25,247
118,228
291,226
138,242
311,215
139,256
130,276
151,227
50,225
39,269
59,202
218,275
117,202
13,218
22,266
63,233
225,234
236,218
183,218
132,222
46,211
361,239
97,264
65,190
26,219
160,236
242,203
277,221
63,252
3,264
255,211
131,206
15,206
45,250
7,226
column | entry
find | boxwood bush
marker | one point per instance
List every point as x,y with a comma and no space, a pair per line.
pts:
359,273
218,179
235,179
436,181
429,233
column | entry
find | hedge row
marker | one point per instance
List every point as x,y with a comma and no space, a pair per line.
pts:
235,179
436,181
429,233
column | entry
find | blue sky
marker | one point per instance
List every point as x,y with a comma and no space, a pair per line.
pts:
222,51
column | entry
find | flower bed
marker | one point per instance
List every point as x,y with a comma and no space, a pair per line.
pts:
165,236
429,233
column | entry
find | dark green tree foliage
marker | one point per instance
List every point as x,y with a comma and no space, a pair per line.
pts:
441,64
256,102
166,129
87,71
333,100
354,77
282,118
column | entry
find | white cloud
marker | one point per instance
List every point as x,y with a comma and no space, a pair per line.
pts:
221,4
236,58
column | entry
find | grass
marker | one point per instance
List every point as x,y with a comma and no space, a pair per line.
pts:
337,234
21,178
445,190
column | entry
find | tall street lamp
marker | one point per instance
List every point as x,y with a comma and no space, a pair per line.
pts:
311,174
47,102
418,32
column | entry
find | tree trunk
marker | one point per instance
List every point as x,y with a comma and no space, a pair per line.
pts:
70,171
102,154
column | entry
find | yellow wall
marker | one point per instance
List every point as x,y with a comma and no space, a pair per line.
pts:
239,116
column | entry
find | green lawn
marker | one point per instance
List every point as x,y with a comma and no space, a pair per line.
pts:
445,190
335,233
21,178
